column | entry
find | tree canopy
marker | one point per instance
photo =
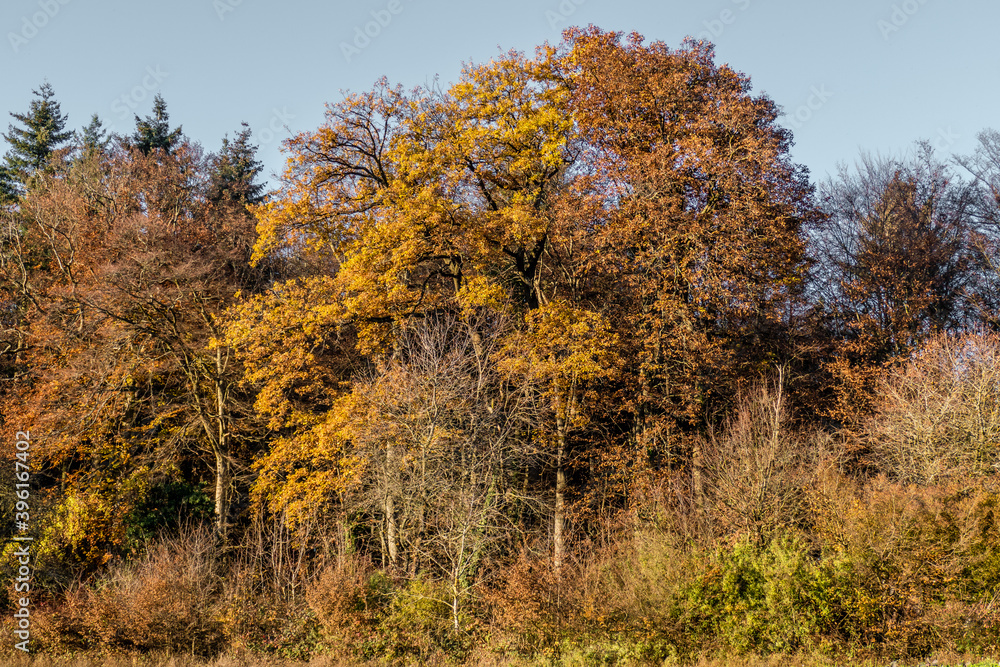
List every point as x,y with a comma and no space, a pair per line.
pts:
569,345
42,131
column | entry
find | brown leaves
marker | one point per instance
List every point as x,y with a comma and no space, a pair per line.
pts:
702,252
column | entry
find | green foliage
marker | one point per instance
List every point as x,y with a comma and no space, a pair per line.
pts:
234,170
153,132
376,618
767,599
165,508
43,131
93,139
8,186
418,623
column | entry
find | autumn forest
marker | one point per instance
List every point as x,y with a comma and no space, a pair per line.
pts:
567,361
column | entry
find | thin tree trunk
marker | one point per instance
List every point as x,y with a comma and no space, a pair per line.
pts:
559,522
223,473
222,476
390,531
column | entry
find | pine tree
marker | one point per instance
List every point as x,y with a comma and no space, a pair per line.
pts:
31,146
154,131
234,170
8,189
93,138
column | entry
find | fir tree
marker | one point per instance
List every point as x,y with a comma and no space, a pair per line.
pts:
8,188
93,138
43,131
154,131
234,170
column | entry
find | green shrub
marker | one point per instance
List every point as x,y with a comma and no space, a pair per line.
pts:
752,599
165,508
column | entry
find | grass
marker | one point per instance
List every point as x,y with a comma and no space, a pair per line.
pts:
160,660
257,660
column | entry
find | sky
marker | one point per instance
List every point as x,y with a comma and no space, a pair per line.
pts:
850,75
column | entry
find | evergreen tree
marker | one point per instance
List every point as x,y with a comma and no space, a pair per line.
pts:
93,138
43,131
154,131
8,189
233,171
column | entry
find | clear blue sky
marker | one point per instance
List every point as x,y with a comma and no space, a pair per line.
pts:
878,74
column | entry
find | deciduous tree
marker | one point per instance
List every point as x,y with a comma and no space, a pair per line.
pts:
124,268
702,254
896,264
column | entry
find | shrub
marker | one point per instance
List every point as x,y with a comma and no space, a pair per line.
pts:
755,469
350,599
760,599
918,566
939,414
166,600
534,606
165,507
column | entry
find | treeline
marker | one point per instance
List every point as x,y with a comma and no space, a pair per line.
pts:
567,361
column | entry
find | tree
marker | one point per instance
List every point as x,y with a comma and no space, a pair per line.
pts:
896,264
441,202
42,133
895,254
702,253
153,132
562,352
234,170
441,429
755,467
125,269
984,167
93,138
8,187
434,200
937,415
540,186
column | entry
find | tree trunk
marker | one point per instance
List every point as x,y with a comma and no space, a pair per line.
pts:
222,462
222,476
559,522
390,531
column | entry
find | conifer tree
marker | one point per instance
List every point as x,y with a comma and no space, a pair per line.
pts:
42,131
93,138
8,190
233,171
154,131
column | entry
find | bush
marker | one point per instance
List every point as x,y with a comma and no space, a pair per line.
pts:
938,416
534,607
755,470
349,600
918,566
759,599
167,600
164,508
258,616
361,609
